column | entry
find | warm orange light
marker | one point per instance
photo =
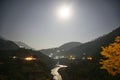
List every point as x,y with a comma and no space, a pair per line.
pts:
71,57
30,58
89,58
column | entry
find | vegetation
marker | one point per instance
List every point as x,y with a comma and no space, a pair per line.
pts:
93,47
90,70
112,57
23,64
86,70
14,66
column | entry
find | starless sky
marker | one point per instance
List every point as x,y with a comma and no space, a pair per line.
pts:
36,22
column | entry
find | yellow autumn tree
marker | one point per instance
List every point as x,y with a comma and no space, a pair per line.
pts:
112,57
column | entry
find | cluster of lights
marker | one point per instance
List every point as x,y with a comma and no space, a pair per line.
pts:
89,58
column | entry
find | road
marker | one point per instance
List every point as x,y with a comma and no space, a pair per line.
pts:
54,72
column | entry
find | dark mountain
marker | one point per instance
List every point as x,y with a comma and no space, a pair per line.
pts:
94,47
22,53
11,48
57,51
7,45
81,69
70,45
22,45
1,37
17,62
49,51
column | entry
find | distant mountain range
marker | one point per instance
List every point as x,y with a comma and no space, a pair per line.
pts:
70,45
1,37
7,44
12,45
52,52
23,62
22,45
21,50
78,49
93,48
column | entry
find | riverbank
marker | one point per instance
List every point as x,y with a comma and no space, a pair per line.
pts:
55,73
62,72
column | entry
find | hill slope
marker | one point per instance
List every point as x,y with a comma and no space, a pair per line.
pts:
14,65
7,45
70,45
63,48
94,47
22,45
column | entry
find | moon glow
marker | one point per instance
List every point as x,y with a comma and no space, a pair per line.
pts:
64,12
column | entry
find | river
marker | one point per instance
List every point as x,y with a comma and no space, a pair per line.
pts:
54,72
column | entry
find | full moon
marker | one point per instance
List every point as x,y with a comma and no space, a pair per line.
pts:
64,12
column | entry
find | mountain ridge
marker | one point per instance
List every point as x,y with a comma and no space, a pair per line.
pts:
58,50
23,45
94,47
7,44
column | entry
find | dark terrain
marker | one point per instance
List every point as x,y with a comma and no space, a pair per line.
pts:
85,69
13,65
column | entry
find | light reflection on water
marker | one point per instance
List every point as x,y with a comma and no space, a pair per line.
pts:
54,72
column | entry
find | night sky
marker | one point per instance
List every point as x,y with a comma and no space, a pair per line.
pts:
37,23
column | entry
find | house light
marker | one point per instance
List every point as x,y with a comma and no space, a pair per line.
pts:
29,58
